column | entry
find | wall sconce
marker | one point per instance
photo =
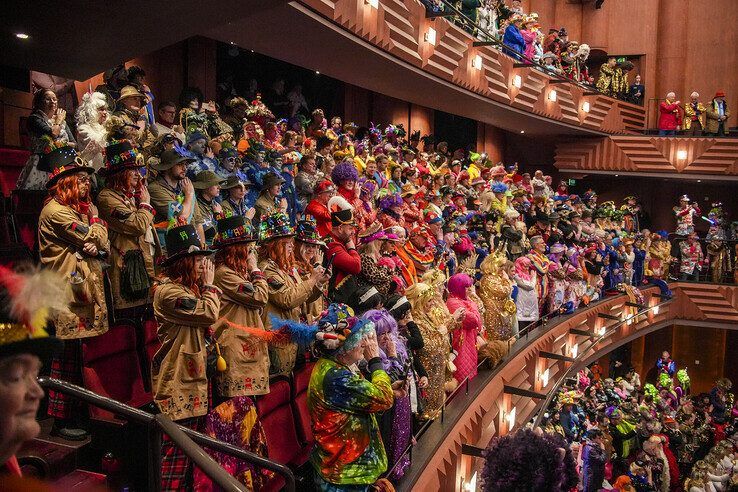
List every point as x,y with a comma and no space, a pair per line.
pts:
600,331
430,36
681,154
477,62
517,81
544,378
655,310
372,3
585,106
552,96
471,485
510,418
629,321
574,350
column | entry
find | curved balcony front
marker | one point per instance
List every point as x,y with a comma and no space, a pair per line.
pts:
513,393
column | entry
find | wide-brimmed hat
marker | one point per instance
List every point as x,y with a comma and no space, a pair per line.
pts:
233,181
232,230
272,179
307,232
62,161
28,300
409,189
120,156
130,91
181,242
372,233
170,158
275,226
205,179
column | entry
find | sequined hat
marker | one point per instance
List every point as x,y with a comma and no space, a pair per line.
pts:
61,161
275,226
233,230
307,232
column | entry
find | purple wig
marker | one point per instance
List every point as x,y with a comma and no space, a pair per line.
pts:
343,172
525,460
385,323
458,284
390,200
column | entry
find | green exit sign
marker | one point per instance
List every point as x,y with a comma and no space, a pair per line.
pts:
572,182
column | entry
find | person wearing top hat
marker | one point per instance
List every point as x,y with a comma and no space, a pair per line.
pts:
245,294
186,304
73,241
207,188
29,301
125,204
235,188
717,116
172,193
269,201
308,254
131,109
288,291
342,252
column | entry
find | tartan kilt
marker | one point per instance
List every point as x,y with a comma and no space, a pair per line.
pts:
66,366
176,467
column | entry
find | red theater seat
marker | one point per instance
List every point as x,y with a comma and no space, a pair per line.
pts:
12,161
275,414
111,368
299,403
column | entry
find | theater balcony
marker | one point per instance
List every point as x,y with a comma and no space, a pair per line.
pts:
649,156
392,47
697,320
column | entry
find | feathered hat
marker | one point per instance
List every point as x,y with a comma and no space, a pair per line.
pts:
27,302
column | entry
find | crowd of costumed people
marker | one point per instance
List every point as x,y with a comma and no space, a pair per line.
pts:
259,238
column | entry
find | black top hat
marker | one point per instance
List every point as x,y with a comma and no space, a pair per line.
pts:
181,242
234,229
342,217
170,158
120,156
307,232
60,162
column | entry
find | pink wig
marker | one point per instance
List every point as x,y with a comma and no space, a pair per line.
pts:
458,284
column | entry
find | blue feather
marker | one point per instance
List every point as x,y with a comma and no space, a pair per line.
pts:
300,333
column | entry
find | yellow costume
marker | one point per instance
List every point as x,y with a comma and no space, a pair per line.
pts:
605,79
495,290
689,113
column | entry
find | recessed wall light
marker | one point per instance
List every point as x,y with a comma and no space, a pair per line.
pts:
372,3
22,35
430,36
585,106
517,81
522,131
552,96
317,72
477,62
681,154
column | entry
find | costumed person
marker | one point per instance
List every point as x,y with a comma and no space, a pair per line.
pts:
235,189
526,280
172,194
48,130
186,304
605,78
719,259
464,339
434,323
125,205
659,256
692,258
694,116
513,41
92,114
669,115
396,424
717,116
346,177
624,439
245,294
30,300
73,241
593,461
348,452
318,206
495,290
541,263
288,292
308,254
665,364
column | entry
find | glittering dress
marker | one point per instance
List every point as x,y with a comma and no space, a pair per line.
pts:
495,291
433,318
465,338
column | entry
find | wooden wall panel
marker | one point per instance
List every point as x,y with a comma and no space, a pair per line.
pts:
704,156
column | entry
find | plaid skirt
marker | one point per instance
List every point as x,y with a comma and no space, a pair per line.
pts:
176,467
67,366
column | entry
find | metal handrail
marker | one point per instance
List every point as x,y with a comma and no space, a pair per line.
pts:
183,439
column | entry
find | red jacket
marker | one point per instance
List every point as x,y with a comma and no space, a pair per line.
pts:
670,118
345,262
322,217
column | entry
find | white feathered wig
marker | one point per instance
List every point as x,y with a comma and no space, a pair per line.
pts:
89,109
